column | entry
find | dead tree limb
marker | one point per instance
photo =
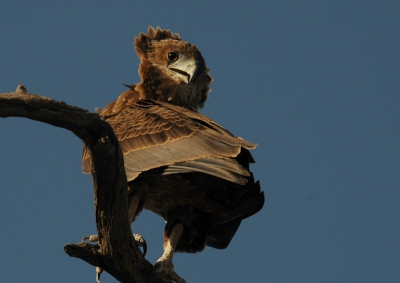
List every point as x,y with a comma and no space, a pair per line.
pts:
117,252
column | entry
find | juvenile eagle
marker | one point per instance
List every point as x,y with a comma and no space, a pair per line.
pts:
180,164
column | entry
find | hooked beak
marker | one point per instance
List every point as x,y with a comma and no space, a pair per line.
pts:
185,69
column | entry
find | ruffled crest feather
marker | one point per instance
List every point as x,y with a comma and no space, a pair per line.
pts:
144,41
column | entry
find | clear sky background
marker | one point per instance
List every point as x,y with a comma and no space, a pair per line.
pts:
314,83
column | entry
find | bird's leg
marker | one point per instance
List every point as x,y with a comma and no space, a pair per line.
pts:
164,263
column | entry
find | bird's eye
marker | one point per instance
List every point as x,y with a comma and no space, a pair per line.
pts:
172,56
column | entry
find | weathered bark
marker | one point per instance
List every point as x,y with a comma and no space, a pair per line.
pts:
117,252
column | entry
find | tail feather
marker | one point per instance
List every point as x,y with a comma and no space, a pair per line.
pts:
220,238
223,228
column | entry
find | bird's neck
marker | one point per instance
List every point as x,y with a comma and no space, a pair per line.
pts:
183,95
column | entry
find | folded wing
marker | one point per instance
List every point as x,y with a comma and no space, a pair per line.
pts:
156,135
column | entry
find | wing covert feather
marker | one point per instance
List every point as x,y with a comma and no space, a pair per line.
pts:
154,134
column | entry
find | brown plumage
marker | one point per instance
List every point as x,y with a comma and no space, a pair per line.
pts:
179,163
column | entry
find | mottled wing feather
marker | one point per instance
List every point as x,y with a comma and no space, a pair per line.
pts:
223,163
231,171
156,134
196,147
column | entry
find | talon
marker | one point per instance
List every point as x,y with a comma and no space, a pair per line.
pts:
91,238
85,238
94,238
98,273
141,242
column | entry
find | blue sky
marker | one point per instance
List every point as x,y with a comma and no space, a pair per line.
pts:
315,84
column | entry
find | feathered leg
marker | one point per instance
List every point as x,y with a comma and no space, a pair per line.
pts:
164,263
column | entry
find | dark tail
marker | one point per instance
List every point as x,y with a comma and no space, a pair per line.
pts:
222,229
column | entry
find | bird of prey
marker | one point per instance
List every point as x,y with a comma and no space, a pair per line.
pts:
179,163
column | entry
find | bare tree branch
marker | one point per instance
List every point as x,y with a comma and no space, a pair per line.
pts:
117,252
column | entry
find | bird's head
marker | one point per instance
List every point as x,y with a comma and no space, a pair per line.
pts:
171,70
